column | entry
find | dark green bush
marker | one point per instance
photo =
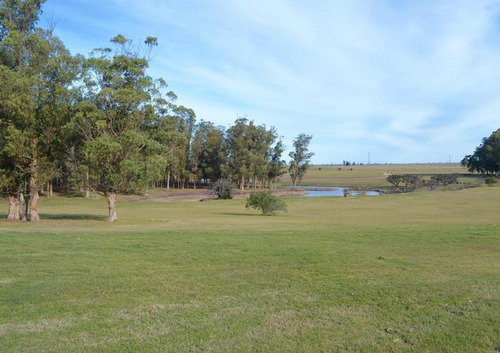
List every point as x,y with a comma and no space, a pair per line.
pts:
266,203
490,181
222,189
444,179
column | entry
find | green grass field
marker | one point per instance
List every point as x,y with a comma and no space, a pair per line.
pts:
407,272
372,175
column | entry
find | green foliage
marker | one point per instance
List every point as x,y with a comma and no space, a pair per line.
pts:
250,153
300,158
443,179
267,203
490,181
112,121
222,189
486,157
395,179
410,181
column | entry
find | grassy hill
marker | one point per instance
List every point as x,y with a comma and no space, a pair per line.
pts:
407,272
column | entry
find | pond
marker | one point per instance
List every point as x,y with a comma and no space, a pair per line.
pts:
312,191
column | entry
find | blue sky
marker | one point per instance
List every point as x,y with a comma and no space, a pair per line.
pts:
407,81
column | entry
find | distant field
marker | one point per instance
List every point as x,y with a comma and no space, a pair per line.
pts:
370,175
408,272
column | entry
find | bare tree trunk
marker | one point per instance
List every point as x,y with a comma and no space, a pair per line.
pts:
168,181
23,203
111,198
51,190
87,188
242,183
14,208
33,201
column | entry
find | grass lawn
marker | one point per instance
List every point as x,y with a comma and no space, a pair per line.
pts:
373,175
407,272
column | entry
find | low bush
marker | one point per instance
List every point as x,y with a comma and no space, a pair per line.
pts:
490,181
222,189
266,203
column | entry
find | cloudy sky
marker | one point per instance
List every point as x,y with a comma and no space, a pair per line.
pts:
407,81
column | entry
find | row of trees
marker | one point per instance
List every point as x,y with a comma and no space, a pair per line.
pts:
102,124
486,157
412,181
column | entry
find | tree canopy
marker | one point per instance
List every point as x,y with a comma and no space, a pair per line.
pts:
486,157
101,124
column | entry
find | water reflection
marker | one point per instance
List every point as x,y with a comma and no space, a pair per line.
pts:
336,191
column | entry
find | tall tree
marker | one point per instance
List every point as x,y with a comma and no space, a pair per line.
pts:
276,167
486,157
36,71
300,158
239,154
213,156
111,118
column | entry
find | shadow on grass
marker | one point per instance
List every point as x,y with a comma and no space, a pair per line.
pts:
241,214
76,217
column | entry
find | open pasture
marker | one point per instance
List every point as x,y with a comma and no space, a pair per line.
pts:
407,272
373,175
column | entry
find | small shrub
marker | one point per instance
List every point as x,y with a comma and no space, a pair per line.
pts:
490,181
445,179
222,189
266,203
395,179
411,181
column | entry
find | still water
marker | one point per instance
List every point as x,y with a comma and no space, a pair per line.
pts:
335,191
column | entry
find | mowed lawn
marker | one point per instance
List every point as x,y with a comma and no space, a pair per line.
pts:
408,272
373,175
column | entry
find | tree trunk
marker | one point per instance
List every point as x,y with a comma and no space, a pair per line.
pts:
242,183
51,191
87,188
111,198
14,208
33,202
23,203
168,181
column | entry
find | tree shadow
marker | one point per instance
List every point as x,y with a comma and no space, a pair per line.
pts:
75,217
241,214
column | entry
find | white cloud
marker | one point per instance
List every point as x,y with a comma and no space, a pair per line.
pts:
407,79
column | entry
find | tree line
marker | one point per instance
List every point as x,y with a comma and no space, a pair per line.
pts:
102,124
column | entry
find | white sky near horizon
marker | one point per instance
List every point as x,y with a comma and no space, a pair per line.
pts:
407,81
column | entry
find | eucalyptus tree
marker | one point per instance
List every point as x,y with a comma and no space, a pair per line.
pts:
36,72
111,118
249,149
486,157
213,157
276,165
300,158
239,155
187,119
